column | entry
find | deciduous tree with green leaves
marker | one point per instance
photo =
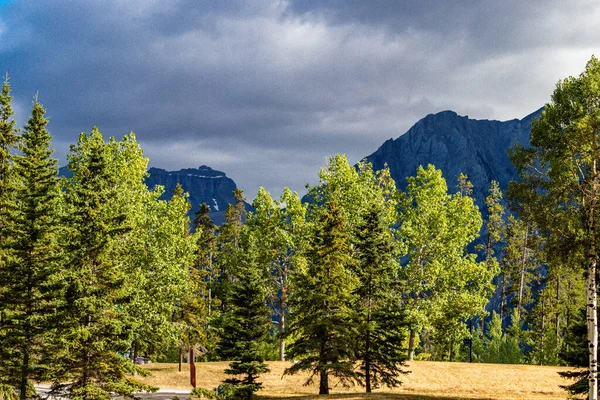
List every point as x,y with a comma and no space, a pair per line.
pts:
279,227
560,181
444,285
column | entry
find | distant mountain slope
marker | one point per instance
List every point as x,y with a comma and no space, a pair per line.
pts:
456,144
204,184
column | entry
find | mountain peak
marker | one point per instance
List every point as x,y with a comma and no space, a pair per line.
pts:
455,144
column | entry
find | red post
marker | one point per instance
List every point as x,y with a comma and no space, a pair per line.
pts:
192,361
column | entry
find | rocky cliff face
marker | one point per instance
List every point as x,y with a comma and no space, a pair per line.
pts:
456,144
204,184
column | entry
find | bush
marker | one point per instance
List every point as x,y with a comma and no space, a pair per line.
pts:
203,393
227,391
8,393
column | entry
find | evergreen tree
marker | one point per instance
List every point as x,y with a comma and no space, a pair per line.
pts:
8,141
245,323
8,138
382,325
94,324
322,319
30,280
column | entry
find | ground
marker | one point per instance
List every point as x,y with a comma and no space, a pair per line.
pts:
427,381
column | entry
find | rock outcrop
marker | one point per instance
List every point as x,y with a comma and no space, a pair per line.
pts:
456,144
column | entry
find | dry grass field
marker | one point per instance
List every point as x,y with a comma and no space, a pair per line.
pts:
427,381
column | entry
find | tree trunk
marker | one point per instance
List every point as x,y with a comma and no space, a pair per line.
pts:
592,317
180,357
523,263
282,325
557,320
451,358
543,328
24,374
324,382
502,294
411,345
368,353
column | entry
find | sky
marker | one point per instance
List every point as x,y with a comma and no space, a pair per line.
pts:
267,90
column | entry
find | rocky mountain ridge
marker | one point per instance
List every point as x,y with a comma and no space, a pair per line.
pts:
456,144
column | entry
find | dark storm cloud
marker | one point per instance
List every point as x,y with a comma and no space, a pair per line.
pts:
265,90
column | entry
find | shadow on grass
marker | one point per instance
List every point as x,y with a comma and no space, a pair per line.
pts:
370,396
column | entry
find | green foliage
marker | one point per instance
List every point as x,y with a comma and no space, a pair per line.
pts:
380,317
443,284
8,137
203,393
245,322
30,271
278,227
94,323
322,318
498,347
8,392
560,182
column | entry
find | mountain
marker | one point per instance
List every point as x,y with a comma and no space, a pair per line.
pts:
456,144
204,184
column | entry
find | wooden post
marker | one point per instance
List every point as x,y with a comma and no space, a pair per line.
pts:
192,361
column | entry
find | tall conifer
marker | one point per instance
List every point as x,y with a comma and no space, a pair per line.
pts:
8,136
381,318
245,323
29,271
93,332
322,319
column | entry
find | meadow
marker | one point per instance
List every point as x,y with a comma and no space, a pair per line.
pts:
426,381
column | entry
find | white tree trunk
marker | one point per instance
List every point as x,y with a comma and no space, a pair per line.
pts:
592,328
592,315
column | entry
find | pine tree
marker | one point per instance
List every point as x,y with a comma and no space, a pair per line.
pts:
382,321
8,137
31,263
93,331
245,323
322,319
8,141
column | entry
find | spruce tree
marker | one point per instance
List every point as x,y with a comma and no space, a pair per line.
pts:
323,322
8,141
31,263
382,321
93,330
245,323
8,137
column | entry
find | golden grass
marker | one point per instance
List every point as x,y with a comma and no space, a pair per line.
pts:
427,381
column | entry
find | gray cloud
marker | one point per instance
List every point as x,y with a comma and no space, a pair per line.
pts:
266,90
